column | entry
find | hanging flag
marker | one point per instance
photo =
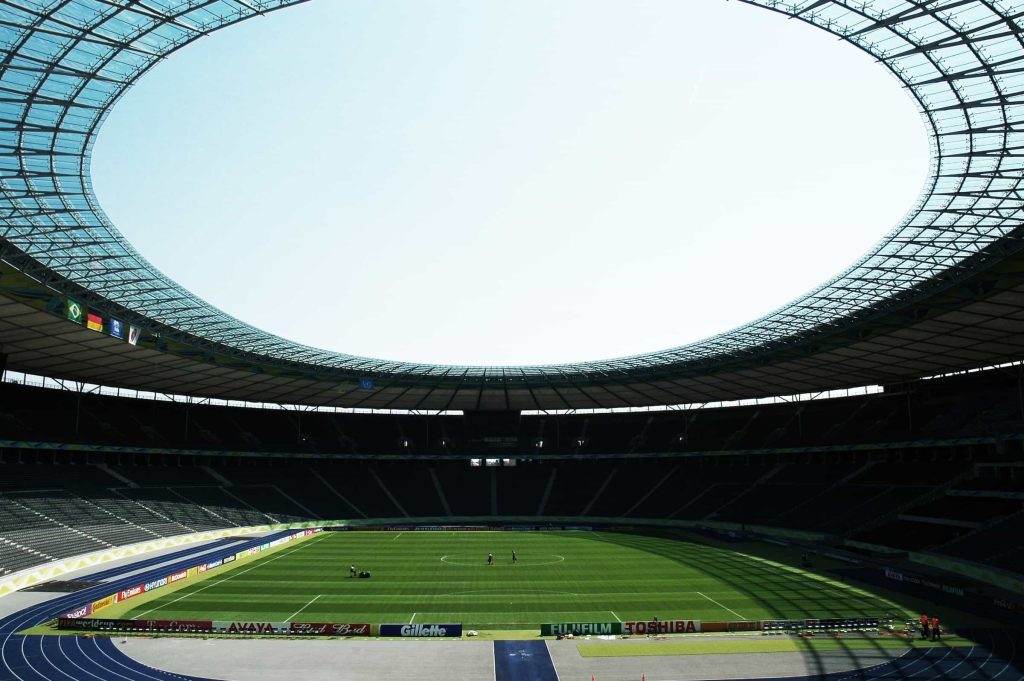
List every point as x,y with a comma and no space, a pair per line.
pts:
94,321
366,384
117,328
133,335
75,311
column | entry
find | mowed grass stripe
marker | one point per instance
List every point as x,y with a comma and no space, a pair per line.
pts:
633,576
773,590
220,580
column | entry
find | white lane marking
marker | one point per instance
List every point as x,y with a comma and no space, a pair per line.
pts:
505,612
398,535
289,619
720,605
1011,658
458,560
614,615
232,575
135,672
67,658
499,592
412,618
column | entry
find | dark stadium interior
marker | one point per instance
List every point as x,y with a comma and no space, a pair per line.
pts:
931,465
978,405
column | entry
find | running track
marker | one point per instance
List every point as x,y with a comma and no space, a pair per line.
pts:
39,658
995,657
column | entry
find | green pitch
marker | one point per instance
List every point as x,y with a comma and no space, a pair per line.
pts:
441,577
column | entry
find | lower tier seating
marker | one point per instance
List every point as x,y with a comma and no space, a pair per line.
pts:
864,500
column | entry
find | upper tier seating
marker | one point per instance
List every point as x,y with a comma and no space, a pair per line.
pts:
975,405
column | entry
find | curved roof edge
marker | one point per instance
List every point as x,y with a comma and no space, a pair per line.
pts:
65,64
954,323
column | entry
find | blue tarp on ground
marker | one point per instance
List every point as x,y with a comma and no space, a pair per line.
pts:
523,661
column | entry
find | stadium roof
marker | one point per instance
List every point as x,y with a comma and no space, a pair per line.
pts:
65,63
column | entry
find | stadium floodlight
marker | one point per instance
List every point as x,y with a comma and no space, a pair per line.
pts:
678,442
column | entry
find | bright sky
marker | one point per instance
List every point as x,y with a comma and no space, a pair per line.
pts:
483,182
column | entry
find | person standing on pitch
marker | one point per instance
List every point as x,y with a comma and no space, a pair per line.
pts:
514,558
924,626
490,559
352,571
936,631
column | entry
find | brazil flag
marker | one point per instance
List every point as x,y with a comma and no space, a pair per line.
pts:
76,312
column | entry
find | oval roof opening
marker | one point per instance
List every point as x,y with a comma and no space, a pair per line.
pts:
509,183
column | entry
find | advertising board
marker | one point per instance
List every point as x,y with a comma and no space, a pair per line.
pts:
662,627
421,630
104,602
90,624
130,592
155,584
82,611
581,628
260,628
329,629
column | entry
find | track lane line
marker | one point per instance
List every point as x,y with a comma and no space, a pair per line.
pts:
71,661
12,644
139,669
42,652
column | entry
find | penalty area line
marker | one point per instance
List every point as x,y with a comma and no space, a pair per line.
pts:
615,616
721,606
412,618
303,607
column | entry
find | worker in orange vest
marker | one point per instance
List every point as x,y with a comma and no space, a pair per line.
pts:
936,632
924,626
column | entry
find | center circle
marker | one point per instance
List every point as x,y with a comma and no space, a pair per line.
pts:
475,560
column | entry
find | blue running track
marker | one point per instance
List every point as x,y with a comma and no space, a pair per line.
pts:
192,552
60,658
